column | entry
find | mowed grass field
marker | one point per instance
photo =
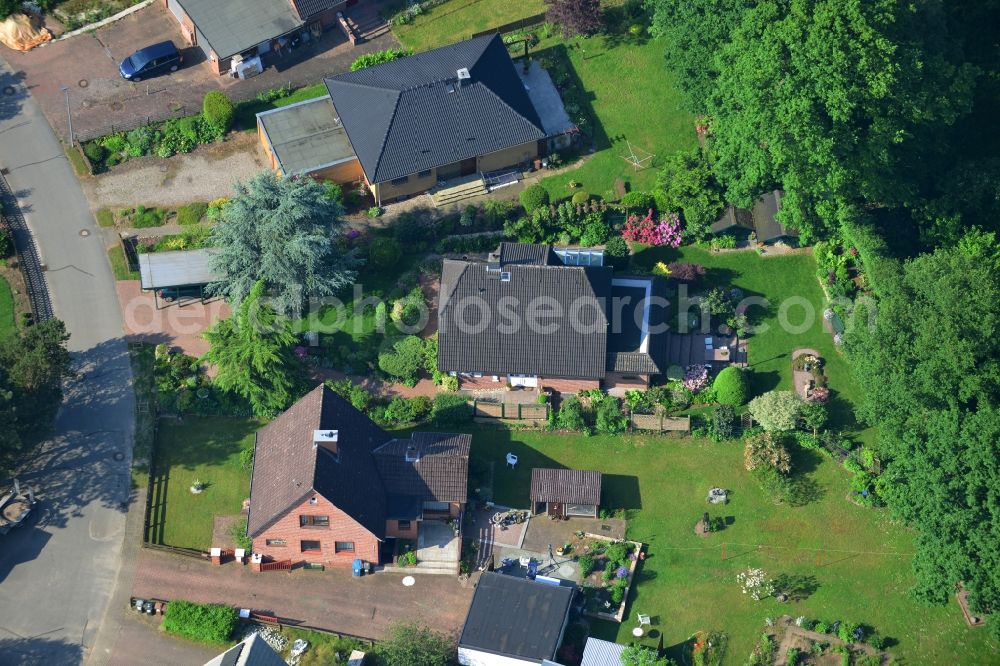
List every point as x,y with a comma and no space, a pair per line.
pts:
456,20
205,449
855,560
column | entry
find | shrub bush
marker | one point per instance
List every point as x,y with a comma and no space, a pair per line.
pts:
609,418
451,409
333,192
533,197
377,58
95,152
596,230
374,211
731,387
218,110
580,198
6,243
403,360
399,411
685,272
570,415
191,213
586,563
638,201
384,252
723,242
142,140
616,252
212,623
723,423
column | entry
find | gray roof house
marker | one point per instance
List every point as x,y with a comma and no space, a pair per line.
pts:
253,651
225,28
762,219
531,311
514,621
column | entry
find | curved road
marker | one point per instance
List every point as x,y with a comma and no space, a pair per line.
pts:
57,573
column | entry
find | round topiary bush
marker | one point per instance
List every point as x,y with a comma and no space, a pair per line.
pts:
731,387
218,110
534,197
580,198
95,152
641,201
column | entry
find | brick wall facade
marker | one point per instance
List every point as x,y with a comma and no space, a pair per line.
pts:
342,528
616,380
569,385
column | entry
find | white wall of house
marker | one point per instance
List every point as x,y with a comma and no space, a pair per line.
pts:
470,657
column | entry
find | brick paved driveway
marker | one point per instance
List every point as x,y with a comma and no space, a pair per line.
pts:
100,98
326,599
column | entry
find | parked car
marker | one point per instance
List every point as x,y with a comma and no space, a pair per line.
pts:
151,61
171,294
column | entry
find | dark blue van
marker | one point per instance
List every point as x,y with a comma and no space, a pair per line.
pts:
150,61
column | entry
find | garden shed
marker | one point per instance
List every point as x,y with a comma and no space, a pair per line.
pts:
565,492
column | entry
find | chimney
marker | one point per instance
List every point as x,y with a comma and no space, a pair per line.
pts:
463,75
326,439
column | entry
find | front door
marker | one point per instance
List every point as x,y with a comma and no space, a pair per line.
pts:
468,167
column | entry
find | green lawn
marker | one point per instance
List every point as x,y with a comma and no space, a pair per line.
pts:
203,449
119,265
7,324
856,558
631,100
456,20
789,279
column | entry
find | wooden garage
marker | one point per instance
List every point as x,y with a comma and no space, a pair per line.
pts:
565,492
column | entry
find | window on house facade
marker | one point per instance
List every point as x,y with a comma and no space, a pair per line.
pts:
404,524
343,546
310,546
400,181
424,174
314,521
275,542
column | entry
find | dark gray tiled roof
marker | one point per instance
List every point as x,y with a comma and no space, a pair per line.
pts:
733,217
402,119
527,254
632,363
232,26
287,468
307,8
570,486
572,350
765,223
440,474
516,617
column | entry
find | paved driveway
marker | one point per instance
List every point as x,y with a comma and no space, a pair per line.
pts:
326,599
100,99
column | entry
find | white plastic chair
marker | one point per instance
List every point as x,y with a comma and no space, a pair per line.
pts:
511,460
643,619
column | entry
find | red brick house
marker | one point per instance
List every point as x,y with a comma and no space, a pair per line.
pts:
329,486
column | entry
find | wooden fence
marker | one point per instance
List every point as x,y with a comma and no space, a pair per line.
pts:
660,423
282,565
510,411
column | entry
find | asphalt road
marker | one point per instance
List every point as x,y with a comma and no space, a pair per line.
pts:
58,572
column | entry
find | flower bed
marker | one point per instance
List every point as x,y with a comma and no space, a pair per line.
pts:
606,588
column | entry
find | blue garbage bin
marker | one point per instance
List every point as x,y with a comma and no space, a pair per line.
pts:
357,567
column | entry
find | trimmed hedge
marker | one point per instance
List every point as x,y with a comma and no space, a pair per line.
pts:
218,110
731,387
377,58
211,623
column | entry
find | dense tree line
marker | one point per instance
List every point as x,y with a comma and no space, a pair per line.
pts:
847,105
33,364
931,377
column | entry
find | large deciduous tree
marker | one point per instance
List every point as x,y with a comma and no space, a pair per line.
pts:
931,378
688,186
414,645
575,17
254,353
839,102
286,233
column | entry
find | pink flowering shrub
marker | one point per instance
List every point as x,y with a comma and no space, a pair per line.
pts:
648,231
695,378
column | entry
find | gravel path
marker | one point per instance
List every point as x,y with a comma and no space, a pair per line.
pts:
205,174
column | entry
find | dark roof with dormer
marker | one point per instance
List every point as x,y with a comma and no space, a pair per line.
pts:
413,114
432,466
